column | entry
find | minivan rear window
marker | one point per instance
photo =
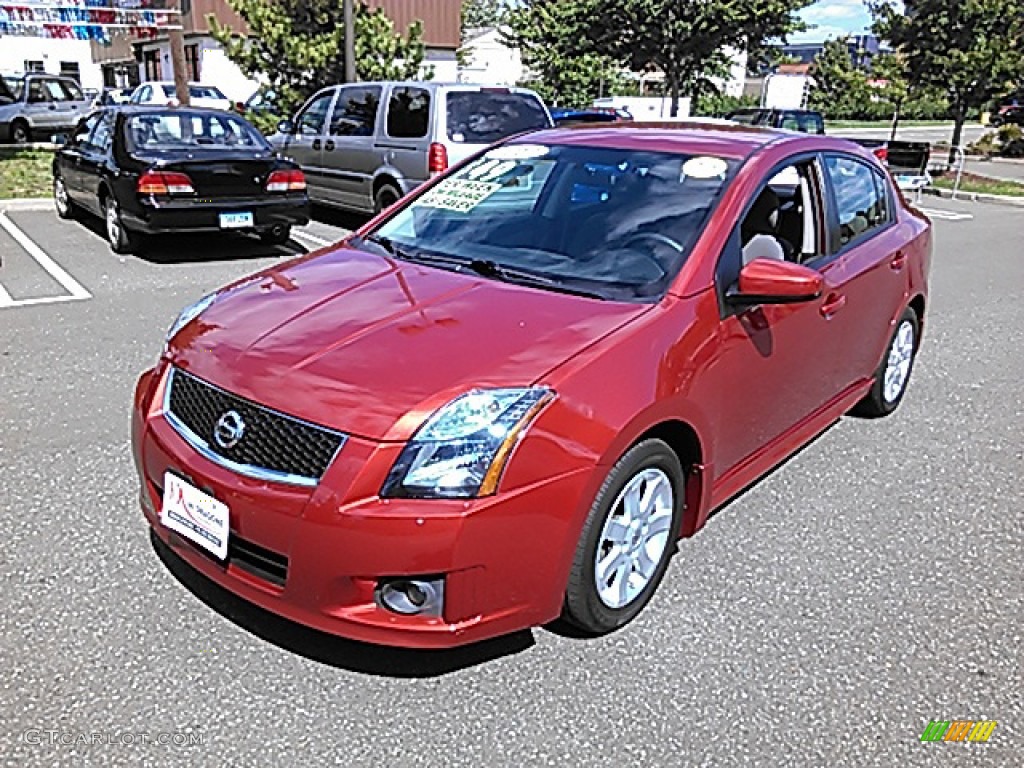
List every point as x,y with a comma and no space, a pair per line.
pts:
483,117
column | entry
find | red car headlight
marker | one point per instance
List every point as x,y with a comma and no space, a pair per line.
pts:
461,450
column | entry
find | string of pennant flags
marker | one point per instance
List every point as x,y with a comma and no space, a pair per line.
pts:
86,19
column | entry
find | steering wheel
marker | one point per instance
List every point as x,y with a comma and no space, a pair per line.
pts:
657,238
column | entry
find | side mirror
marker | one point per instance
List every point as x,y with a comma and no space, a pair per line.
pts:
60,139
286,126
770,281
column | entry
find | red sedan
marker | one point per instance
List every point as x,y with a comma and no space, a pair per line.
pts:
505,398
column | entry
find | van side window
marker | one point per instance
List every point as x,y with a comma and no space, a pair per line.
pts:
355,112
311,121
408,113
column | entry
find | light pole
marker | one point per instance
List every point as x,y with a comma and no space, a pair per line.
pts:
350,44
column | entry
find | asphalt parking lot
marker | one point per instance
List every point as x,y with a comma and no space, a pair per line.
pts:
870,585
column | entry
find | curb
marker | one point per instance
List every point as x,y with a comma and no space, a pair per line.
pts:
26,204
977,197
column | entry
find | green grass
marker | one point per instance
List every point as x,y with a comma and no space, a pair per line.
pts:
888,123
970,182
25,172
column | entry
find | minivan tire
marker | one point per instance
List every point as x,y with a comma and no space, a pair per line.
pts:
385,197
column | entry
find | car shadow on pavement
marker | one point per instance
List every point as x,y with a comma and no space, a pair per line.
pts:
183,248
338,218
330,649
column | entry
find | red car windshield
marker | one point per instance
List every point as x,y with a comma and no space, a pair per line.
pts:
617,223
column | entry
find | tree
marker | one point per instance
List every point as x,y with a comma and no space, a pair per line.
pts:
971,49
567,68
482,13
840,89
296,47
688,40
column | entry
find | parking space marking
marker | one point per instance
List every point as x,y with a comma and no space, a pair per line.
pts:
312,238
75,290
938,213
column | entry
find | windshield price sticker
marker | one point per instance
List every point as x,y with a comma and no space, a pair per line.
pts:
460,195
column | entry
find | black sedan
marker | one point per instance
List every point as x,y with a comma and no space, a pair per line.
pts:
161,170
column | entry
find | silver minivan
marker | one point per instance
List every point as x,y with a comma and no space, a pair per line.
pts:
364,145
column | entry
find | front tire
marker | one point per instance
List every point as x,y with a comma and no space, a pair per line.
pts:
276,235
893,373
628,539
61,200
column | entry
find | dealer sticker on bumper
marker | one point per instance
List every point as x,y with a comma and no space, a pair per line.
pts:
195,515
235,220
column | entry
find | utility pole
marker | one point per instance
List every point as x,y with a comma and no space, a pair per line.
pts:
176,38
350,43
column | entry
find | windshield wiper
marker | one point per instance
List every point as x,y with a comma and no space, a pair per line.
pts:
489,268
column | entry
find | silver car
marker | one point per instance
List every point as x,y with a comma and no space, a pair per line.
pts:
37,105
365,145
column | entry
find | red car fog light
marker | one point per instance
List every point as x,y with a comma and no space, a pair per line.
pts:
411,597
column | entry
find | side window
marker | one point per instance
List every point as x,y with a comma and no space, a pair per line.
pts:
311,121
790,123
861,205
811,123
36,93
100,139
408,113
85,127
355,111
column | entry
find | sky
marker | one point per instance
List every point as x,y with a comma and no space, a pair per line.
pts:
832,18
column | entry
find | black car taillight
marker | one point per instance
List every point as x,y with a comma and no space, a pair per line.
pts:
286,181
164,183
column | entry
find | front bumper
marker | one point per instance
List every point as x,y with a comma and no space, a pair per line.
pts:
503,558
154,217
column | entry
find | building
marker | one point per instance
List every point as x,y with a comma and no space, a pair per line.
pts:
486,58
129,61
72,58
862,49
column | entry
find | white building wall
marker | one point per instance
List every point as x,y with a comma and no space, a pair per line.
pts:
490,61
16,50
217,69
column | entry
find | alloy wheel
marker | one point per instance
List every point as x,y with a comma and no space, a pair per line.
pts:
897,366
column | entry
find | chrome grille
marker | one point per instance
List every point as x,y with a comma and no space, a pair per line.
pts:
272,446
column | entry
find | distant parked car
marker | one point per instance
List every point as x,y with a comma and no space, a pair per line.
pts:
263,102
564,117
163,93
803,120
36,106
158,170
108,97
1012,113
363,146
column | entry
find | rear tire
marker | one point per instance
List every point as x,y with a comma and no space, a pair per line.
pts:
20,132
276,235
122,240
627,541
385,197
893,372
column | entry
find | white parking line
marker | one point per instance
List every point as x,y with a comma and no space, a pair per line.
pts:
312,238
75,290
938,213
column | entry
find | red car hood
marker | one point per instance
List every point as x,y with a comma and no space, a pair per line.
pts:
372,346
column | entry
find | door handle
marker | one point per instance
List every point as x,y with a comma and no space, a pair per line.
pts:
898,261
53,107
832,304
316,144
329,146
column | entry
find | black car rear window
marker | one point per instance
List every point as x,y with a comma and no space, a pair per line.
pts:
179,129
483,117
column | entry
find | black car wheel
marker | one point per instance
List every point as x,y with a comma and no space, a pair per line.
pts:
385,197
894,371
20,133
627,541
122,240
276,235
61,200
